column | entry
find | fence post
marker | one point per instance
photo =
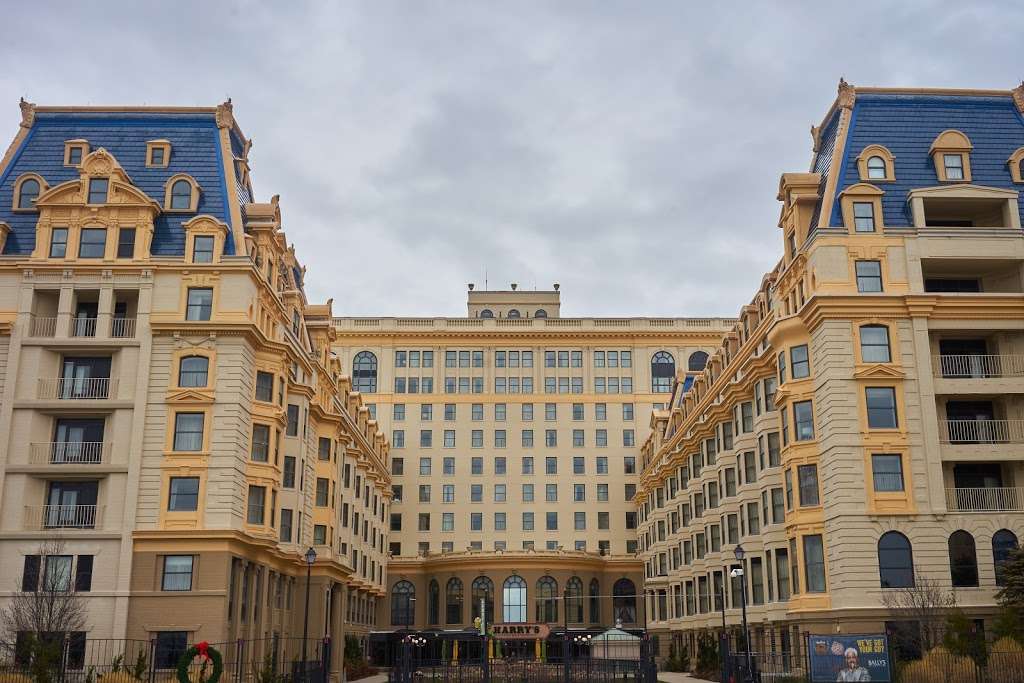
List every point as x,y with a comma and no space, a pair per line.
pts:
239,662
325,660
152,660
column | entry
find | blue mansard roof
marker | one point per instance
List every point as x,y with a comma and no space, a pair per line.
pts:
195,150
907,124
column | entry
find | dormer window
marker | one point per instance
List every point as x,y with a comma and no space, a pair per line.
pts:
951,154
98,190
864,216
1016,165
954,164
75,151
158,153
876,168
93,243
182,194
876,163
28,193
202,251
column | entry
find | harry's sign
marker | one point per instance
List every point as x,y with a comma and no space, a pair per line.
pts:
521,631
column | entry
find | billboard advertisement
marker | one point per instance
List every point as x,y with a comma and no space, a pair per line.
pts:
842,658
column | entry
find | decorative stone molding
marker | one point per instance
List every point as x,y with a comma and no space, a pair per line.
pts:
225,114
847,94
28,113
1018,97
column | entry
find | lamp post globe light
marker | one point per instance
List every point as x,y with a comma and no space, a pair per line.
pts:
310,558
739,553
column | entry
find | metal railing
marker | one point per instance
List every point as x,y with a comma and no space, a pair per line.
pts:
76,388
986,499
69,453
82,327
43,327
122,328
981,431
979,366
40,517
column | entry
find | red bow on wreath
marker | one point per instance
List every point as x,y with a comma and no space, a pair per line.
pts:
203,649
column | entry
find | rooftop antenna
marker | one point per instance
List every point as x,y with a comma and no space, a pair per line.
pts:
486,288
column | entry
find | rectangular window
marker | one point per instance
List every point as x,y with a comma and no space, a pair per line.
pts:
264,386
550,438
881,405
289,472
807,477
59,243
499,438
874,344
93,243
803,421
814,564
177,573
322,491
260,450
200,303
126,243
398,438
257,499
527,438
292,426
887,471
527,493
426,438
864,216
98,190
188,431
202,249
869,276
551,521
184,494
602,493
527,521
628,438
799,362
551,493
425,467
579,493
447,521
778,511
954,165
476,465
629,464
286,526
527,465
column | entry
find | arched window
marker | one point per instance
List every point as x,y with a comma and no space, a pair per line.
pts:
453,601
181,195
487,313
541,313
483,588
624,601
364,372
513,313
876,168
193,371
663,371
433,603
574,600
28,193
697,361
963,559
895,561
513,600
402,594
595,602
1004,542
547,603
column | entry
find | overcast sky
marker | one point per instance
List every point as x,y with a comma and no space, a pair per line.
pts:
630,151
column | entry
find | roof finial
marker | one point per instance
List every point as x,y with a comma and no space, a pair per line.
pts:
1018,97
28,112
846,95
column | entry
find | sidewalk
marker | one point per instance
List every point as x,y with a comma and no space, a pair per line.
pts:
670,677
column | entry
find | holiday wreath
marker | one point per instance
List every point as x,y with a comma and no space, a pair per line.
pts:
209,654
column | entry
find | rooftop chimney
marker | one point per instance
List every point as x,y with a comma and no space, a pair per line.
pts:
514,285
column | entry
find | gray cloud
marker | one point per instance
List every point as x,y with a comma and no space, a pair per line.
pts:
629,151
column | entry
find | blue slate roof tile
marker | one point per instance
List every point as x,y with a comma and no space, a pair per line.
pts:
195,150
907,124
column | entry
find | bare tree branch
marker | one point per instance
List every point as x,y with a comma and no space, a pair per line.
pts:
52,605
927,602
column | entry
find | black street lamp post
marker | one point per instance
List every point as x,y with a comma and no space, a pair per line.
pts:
310,559
739,553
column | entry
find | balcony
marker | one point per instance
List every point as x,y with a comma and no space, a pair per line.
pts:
75,388
70,453
122,328
82,326
988,499
43,327
43,517
978,366
981,431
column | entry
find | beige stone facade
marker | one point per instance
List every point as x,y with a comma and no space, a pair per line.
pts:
514,450
859,429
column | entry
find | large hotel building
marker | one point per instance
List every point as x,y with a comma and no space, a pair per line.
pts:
860,428
182,424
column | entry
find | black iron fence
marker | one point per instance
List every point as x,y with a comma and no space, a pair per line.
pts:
75,659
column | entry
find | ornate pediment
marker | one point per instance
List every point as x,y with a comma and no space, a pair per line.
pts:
190,396
878,371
